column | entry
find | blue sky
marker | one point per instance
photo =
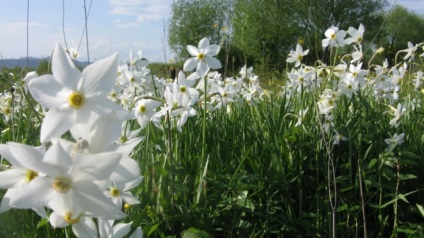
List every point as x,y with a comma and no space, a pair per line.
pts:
113,26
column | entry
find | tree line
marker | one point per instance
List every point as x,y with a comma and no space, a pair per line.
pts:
262,32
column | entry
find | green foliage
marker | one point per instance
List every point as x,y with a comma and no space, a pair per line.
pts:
194,233
402,26
195,19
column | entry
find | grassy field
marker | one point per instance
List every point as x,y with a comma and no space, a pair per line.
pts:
330,150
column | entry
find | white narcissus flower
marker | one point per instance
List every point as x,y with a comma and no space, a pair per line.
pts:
68,183
297,56
119,192
74,97
335,37
108,230
82,225
101,137
18,176
357,35
394,141
203,57
144,111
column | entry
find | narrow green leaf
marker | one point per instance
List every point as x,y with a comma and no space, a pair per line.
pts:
421,209
152,229
42,223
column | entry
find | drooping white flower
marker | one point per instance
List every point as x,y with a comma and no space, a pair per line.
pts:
394,141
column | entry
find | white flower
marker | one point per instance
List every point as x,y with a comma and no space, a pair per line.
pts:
72,96
144,111
203,57
335,37
394,141
297,56
68,186
356,35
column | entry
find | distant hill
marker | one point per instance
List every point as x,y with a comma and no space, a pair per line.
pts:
32,62
21,62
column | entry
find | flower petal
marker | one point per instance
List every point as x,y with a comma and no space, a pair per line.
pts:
98,166
85,228
192,50
129,198
190,64
121,229
63,69
46,90
212,50
11,178
202,68
36,194
100,76
30,157
55,123
93,201
203,43
213,62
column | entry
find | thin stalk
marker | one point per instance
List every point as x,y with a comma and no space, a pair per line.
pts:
63,23
361,192
171,164
204,146
86,32
27,36
395,204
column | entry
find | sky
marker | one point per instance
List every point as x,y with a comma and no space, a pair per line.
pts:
113,26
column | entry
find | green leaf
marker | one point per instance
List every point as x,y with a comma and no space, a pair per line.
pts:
421,209
152,229
372,163
42,223
406,176
194,233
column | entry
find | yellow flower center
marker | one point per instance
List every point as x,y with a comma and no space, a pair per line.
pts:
7,111
201,56
333,36
127,206
76,100
68,218
142,108
114,192
30,175
300,57
62,185
183,89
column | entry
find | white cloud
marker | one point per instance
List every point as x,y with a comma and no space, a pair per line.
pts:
142,10
23,25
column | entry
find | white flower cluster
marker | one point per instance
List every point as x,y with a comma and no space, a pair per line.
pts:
80,179
90,175
347,78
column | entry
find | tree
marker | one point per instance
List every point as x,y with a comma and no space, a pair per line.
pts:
265,30
401,26
193,20
269,29
317,16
